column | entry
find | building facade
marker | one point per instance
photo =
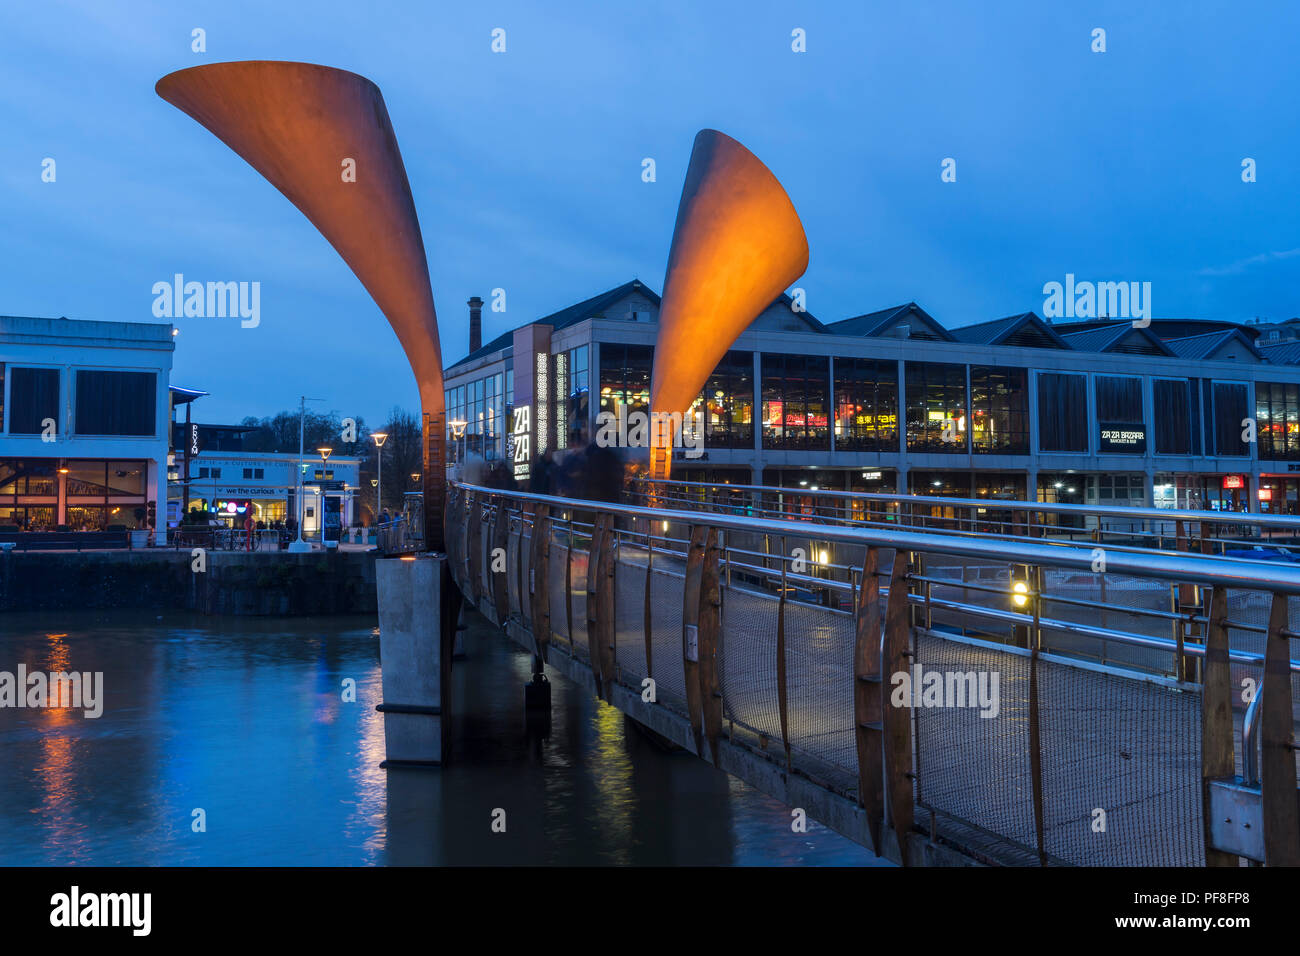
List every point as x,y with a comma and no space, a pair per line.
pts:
1182,413
84,422
229,485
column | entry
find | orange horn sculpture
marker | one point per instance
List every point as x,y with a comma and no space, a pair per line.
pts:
304,127
737,245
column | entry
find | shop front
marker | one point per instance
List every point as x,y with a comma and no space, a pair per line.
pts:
43,494
1279,494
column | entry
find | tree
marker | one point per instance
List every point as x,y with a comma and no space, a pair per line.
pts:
403,456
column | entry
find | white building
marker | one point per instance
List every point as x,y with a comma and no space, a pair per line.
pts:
229,484
84,419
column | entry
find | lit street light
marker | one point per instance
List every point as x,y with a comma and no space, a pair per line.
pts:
380,438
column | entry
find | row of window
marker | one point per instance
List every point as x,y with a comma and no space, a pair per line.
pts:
476,413
39,477
951,408
106,402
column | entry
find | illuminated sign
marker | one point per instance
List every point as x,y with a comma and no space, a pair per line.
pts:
1131,439
193,443
542,392
1234,481
1266,494
522,435
228,507
561,399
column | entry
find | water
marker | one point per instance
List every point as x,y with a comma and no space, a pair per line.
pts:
244,720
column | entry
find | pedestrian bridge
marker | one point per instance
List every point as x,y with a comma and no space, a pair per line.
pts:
941,695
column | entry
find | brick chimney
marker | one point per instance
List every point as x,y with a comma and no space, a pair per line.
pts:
475,323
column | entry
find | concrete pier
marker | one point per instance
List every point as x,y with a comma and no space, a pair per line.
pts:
413,659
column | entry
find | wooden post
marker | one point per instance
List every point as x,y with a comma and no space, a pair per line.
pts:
568,585
870,697
782,686
474,547
710,625
1277,745
500,544
691,629
539,575
1217,759
594,618
896,655
649,587
606,601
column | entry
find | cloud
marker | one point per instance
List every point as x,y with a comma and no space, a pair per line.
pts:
1241,265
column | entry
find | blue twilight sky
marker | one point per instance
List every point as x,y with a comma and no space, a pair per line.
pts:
526,166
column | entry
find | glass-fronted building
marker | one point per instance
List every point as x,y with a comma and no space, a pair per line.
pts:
1181,413
84,419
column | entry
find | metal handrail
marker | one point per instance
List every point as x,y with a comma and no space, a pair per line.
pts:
1177,567
1113,511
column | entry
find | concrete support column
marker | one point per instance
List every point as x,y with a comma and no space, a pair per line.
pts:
412,659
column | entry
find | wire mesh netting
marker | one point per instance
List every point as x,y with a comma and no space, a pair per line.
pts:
559,593
578,563
524,564
747,661
629,613
819,651
666,665
1121,768
513,577
972,767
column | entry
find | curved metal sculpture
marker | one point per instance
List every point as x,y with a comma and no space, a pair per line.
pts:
305,127
737,245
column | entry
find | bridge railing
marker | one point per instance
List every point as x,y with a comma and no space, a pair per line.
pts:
1227,533
1011,697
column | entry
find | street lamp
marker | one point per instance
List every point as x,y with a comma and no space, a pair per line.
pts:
324,452
458,434
380,438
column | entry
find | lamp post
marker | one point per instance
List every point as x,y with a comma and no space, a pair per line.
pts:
380,438
324,452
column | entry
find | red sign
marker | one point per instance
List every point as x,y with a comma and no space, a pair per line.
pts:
1266,494
1234,481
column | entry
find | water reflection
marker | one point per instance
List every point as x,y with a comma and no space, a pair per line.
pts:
245,719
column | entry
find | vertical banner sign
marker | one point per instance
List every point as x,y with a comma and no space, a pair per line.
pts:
542,402
193,443
521,433
561,400
531,418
